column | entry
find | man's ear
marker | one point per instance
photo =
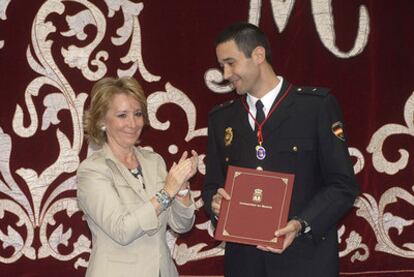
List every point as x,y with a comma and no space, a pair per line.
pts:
259,54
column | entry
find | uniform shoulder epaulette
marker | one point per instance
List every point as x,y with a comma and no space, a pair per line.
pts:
316,91
221,106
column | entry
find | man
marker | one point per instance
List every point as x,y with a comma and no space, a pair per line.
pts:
298,130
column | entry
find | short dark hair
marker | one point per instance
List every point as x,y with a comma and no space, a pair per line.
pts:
247,37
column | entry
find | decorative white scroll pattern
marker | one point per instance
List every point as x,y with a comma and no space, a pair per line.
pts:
183,253
50,243
42,62
360,163
381,222
213,79
172,95
281,10
376,144
22,246
367,207
353,243
3,16
3,7
130,29
9,186
67,161
79,56
36,212
324,22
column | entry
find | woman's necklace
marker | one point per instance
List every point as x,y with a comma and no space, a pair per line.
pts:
137,173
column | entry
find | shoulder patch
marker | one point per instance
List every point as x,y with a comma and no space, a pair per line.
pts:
316,91
338,130
221,106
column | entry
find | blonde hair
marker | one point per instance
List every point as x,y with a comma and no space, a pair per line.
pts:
102,93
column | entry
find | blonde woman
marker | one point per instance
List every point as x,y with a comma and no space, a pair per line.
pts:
126,193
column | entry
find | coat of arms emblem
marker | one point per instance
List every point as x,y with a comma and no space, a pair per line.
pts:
257,196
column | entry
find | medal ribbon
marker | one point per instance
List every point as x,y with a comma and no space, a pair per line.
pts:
259,126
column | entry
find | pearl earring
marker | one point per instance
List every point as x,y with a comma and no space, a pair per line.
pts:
103,128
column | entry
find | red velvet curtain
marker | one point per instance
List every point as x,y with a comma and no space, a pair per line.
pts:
51,53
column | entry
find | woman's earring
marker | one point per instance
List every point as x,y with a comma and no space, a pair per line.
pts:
103,128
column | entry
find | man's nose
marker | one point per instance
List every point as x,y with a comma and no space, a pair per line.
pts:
226,72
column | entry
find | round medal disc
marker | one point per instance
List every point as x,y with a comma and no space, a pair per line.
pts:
260,152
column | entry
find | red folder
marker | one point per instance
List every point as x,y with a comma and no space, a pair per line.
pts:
259,206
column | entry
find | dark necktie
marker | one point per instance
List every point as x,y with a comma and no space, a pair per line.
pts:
260,116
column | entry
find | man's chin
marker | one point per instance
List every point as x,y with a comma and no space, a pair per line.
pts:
240,92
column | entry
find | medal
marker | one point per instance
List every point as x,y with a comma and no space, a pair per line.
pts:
260,152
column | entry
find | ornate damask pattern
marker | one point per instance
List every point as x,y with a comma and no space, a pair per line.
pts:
376,144
49,188
39,214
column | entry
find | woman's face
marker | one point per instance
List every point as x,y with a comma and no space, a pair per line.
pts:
124,121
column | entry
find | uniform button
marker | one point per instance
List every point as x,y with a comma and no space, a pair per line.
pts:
299,89
295,148
323,238
227,159
259,168
313,89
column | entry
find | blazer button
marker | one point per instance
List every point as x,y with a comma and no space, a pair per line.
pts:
323,238
295,148
227,159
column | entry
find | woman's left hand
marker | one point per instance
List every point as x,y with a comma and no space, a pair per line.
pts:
194,163
183,194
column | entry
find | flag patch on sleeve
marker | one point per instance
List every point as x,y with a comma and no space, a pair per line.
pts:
338,130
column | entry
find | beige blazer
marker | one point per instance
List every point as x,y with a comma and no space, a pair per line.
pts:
128,239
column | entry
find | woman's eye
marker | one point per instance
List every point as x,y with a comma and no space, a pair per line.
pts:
139,114
122,115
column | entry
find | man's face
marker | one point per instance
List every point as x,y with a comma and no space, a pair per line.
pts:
240,71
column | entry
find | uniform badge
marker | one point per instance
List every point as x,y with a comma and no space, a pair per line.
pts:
228,136
257,196
338,130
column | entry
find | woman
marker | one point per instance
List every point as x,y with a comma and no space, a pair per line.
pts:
125,191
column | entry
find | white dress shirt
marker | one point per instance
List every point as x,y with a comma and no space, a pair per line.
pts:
267,101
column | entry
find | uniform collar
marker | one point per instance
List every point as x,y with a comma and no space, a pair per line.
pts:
267,99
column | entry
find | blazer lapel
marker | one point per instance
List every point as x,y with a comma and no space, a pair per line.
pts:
148,166
121,173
